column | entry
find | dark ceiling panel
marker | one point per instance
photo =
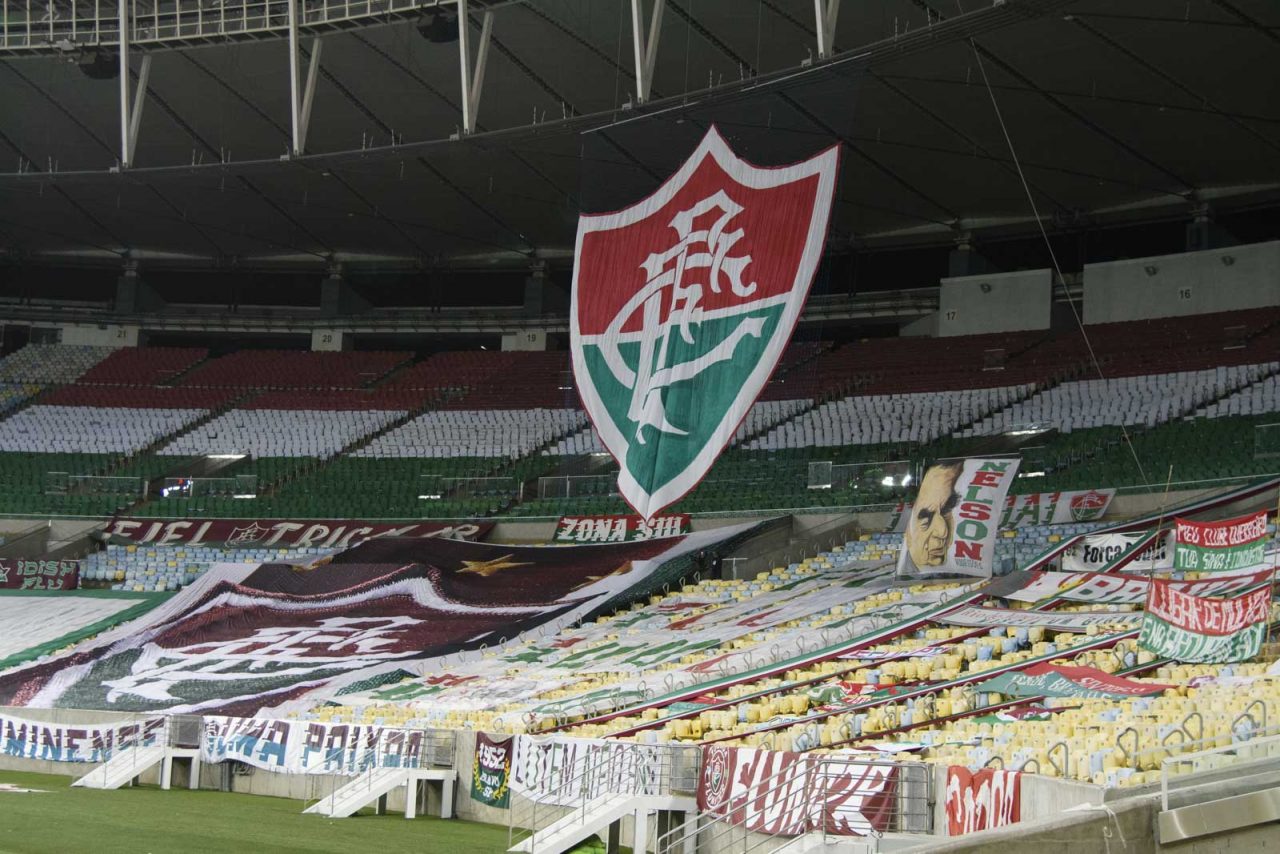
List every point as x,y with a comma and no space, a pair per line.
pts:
1107,104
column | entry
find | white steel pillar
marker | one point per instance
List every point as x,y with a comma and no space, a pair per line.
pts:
309,95
645,46
472,76
295,95
124,84
824,14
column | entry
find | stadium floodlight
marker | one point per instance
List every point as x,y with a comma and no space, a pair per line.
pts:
439,27
98,64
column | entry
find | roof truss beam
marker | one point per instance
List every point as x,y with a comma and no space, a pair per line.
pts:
645,45
472,75
825,13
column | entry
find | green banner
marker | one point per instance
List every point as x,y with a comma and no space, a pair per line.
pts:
1170,641
491,771
1238,543
1051,680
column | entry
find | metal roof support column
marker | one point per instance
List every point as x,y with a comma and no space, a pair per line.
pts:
825,24
472,78
646,46
124,84
295,97
309,94
139,99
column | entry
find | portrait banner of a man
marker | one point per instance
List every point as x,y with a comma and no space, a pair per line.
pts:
953,522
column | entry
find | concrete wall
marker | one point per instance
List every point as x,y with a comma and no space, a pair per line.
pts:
100,334
921,327
1004,302
1237,277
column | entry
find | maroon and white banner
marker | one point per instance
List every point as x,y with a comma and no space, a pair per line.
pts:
24,574
786,793
1207,616
1101,588
981,800
242,638
953,523
284,533
1232,544
619,529
1184,627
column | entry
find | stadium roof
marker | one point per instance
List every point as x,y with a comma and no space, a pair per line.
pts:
1140,110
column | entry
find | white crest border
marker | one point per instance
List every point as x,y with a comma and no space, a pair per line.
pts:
824,165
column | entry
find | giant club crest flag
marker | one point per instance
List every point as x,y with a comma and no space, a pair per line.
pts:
683,304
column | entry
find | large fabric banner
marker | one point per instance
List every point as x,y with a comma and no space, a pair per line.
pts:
1060,680
311,747
953,522
1056,508
619,529
569,771
243,638
1140,551
282,533
1059,621
491,770
1102,589
93,742
785,793
683,304
24,574
982,799
1195,629
1232,544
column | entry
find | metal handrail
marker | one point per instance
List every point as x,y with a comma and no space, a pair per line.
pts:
712,829
1250,742
583,785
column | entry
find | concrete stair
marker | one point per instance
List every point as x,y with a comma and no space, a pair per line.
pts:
122,768
375,784
596,815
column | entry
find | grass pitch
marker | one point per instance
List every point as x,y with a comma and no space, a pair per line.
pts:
146,820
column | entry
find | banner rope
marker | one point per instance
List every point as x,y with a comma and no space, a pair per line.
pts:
1053,256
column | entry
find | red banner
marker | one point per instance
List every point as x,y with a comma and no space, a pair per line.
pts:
23,574
284,533
1229,532
786,793
982,800
1207,616
618,529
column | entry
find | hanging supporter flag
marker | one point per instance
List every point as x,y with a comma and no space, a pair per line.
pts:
242,638
1056,508
1142,550
1238,543
283,533
1116,589
619,529
982,799
22,574
312,747
952,527
1197,630
789,794
75,742
491,770
683,304
1060,680
1059,621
